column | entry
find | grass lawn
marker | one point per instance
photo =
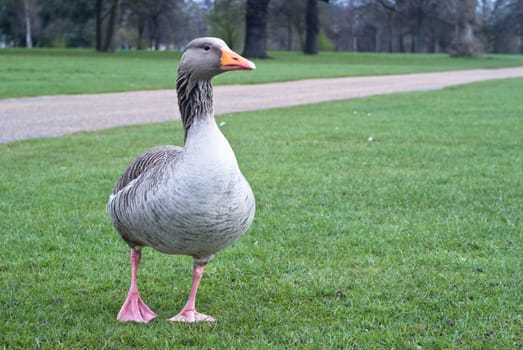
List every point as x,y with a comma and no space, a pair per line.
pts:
410,241
57,71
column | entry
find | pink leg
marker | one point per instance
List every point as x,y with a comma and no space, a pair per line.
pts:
134,309
189,313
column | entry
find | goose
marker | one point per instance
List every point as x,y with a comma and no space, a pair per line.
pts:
191,200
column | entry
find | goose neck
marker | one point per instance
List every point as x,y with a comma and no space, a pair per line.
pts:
195,100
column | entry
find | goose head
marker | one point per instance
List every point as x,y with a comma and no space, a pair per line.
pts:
204,58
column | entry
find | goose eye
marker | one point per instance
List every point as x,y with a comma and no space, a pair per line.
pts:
207,47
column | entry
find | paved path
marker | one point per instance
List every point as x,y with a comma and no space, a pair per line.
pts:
46,116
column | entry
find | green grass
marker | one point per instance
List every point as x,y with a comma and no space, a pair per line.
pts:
410,241
57,71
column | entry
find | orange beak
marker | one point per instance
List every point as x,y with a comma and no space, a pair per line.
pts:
232,61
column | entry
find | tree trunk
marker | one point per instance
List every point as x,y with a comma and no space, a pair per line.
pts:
464,43
420,17
99,4
141,28
256,29
466,39
390,29
390,8
153,33
401,42
289,36
312,28
28,38
110,26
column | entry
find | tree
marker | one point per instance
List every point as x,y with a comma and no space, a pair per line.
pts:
109,29
193,20
19,22
502,25
312,27
464,42
256,29
98,14
67,23
154,18
517,17
417,13
461,27
287,23
342,25
28,35
390,7
138,11
224,22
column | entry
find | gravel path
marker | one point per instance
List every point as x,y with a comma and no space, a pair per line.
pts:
46,116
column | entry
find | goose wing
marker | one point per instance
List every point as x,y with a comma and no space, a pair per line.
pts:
139,175
155,157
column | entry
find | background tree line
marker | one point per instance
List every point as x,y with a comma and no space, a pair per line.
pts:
460,27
